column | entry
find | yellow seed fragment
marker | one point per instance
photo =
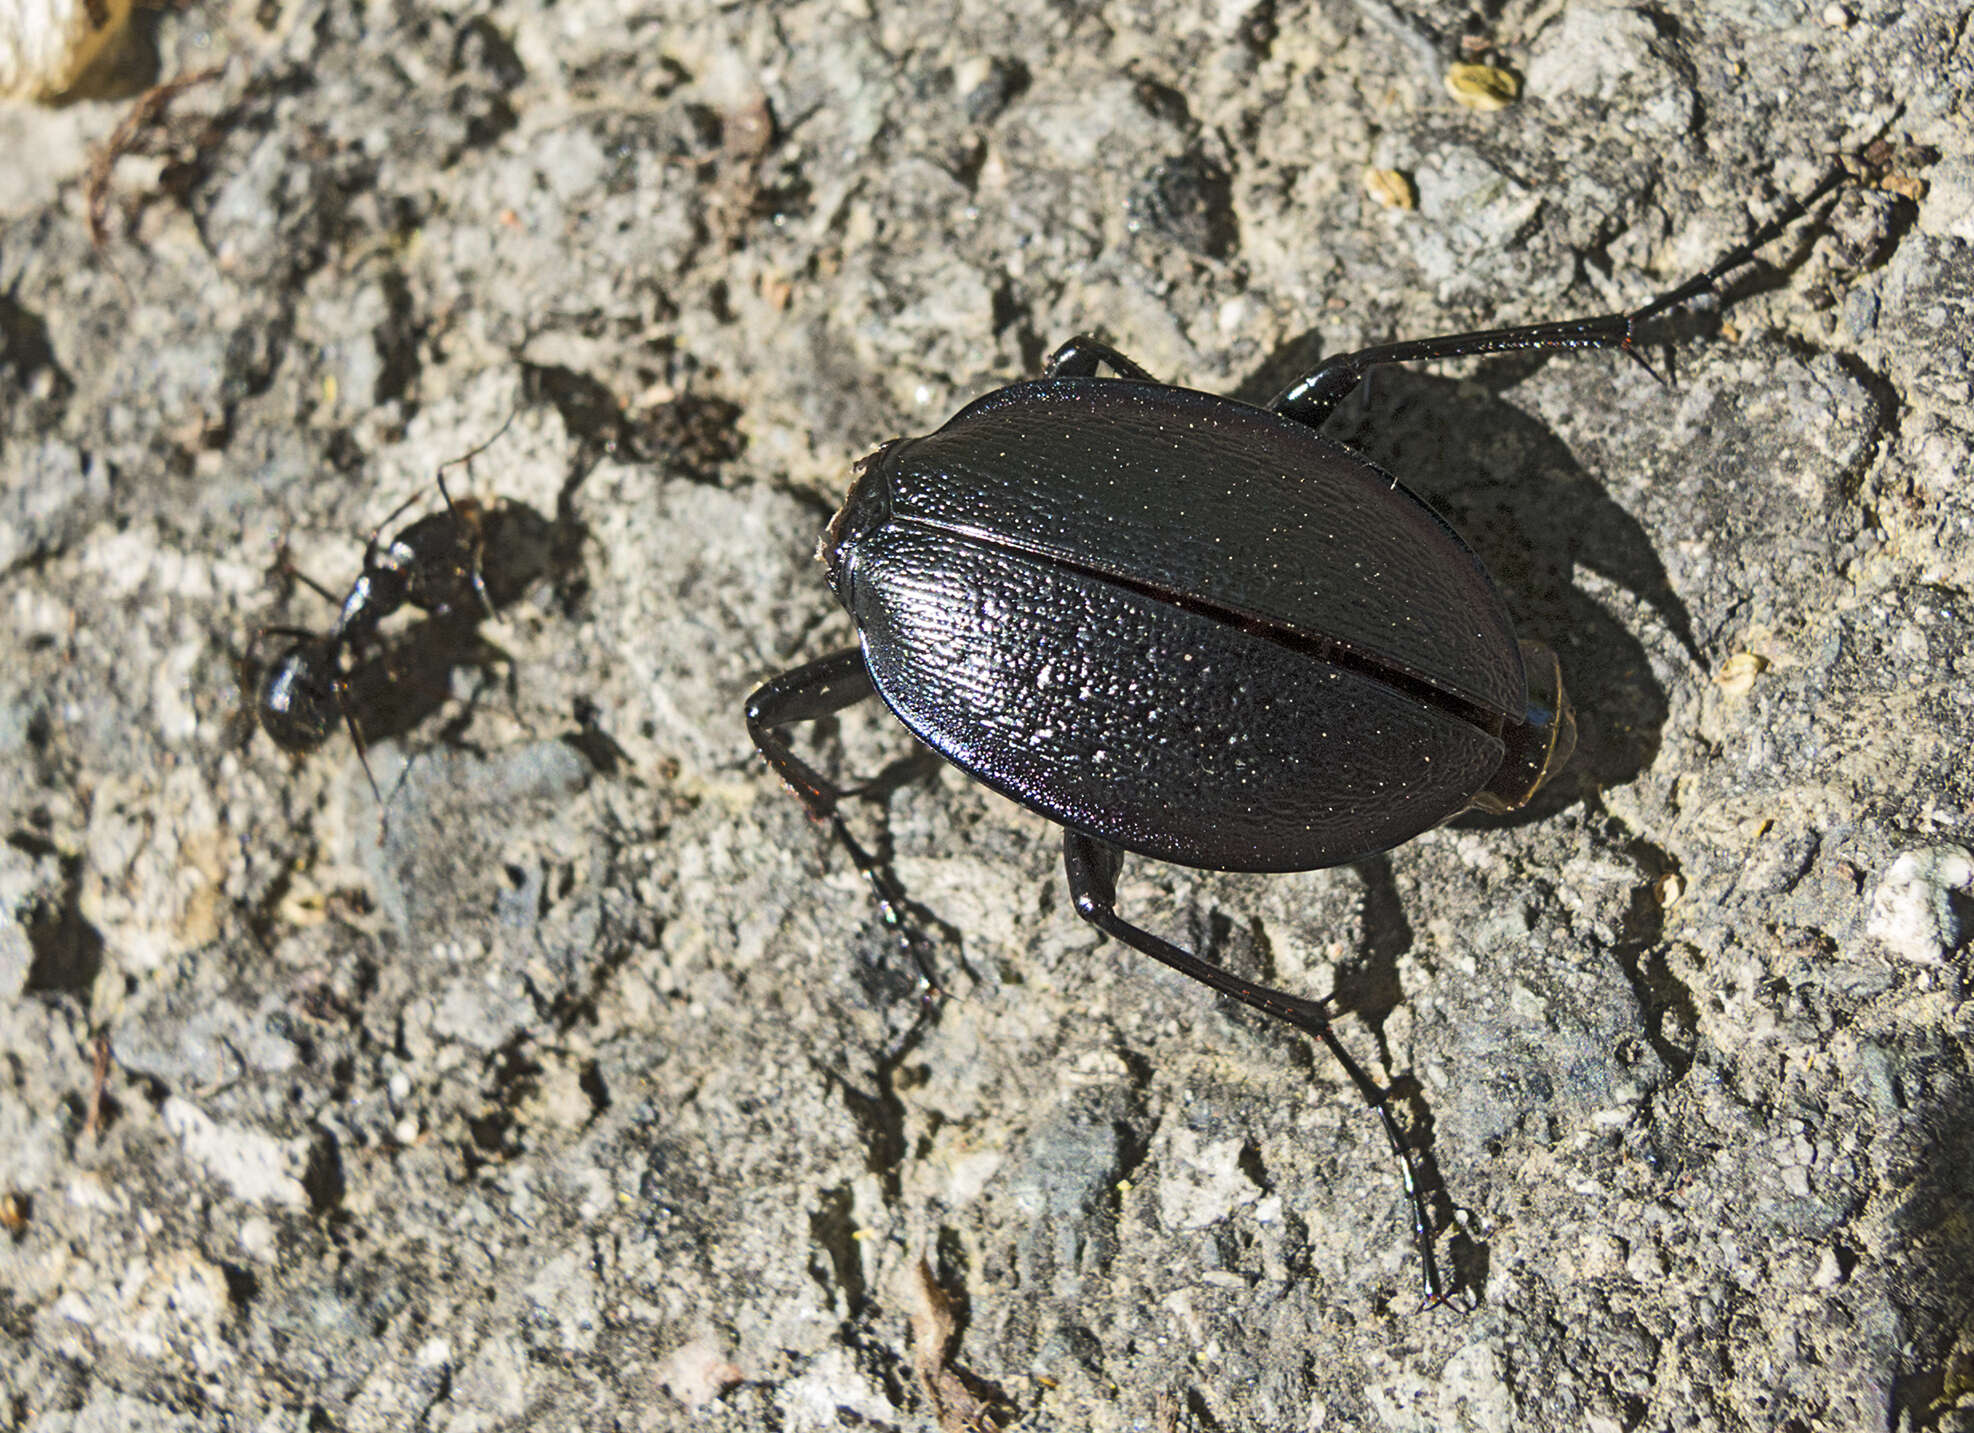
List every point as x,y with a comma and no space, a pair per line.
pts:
1390,188
1737,674
1483,87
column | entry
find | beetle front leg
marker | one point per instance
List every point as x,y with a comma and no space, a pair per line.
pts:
1083,355
1092,867
808,693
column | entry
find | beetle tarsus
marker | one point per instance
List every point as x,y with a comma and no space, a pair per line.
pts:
1709,281
1092,866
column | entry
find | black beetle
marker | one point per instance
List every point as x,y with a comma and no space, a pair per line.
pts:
1193,629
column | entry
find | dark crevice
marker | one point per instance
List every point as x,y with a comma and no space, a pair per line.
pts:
323,1180
26,353
242,1286
1670,1014
67,949
1884,429
591,742
880,1117
398,339
833,1227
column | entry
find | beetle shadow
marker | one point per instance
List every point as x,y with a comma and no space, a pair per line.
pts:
922,932
520,547
1534,516
1367,987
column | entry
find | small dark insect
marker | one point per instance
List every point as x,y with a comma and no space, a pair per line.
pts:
1193,629
433,565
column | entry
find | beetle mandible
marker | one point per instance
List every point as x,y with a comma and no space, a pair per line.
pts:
1192,629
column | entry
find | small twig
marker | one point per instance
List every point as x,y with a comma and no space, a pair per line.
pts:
123,139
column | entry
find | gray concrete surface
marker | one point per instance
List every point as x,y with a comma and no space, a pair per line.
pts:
590,1095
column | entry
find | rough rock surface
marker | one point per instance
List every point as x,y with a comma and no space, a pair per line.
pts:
590,1093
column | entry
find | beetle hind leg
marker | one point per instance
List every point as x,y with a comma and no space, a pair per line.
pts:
1092,867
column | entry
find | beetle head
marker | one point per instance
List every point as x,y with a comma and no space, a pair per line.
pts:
866,509
1540,744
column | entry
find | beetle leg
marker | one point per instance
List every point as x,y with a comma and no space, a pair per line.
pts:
1092,867
285,564
261,634
807,693
362,748
1083,355
1313,398
1710,280
478,540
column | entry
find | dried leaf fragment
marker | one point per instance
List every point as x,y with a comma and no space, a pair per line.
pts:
957,1407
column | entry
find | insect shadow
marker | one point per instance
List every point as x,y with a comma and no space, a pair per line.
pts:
1535,516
